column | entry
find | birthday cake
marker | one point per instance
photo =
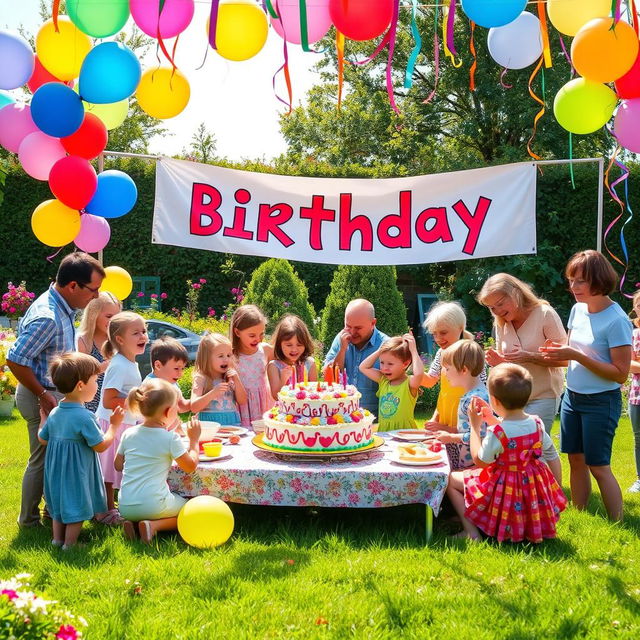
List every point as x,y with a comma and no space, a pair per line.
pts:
318,417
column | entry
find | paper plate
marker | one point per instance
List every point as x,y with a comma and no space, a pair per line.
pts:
416,463
411,435
223,456
227,432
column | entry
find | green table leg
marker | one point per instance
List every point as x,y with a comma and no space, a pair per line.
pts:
428,524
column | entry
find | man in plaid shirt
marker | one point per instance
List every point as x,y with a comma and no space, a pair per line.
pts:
46,330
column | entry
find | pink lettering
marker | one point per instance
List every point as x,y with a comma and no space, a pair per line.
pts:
269,222
400,221
439,230
238,230
205,201
472,222
317,214
349,226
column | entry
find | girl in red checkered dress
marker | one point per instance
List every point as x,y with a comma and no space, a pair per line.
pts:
514,493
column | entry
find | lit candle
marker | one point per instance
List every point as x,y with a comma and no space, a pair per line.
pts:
293,377
328,375
305,374
344,378
336,376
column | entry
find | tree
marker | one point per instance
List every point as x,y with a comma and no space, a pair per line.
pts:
376,284
203,144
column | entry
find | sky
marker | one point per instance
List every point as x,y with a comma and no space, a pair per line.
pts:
235,100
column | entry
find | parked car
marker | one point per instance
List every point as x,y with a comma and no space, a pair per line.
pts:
157,329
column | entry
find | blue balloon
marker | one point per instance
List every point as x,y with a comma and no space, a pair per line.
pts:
57,109
493,13
17,59
115,196
5,99
109,73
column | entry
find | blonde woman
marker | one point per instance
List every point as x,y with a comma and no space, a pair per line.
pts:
93,333
524,323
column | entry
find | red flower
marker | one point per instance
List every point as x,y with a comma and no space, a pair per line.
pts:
10,593
67,632
163,296
140,294
203,281
154,295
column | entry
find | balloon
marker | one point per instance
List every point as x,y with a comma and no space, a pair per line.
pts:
493,13
5,99
109,73
98,18
518,44
57,109
61,53
115,196
112,115
205,522
242,30
16,124
583,106
89,141
163,93
568,16
175,17
625,125
73,181
287,25
55,224
38,152
17,60
41,76
603,54
94,233
117,281
628,86
361,19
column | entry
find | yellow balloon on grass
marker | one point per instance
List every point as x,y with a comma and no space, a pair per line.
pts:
118,282
205,522
163,93
55,224
568,16
583,106
62,52
242,29
602,52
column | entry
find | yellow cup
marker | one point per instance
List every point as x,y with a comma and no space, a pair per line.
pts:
212,449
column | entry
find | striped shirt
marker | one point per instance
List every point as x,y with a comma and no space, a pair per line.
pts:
46,330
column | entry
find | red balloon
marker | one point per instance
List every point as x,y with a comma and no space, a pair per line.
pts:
41,76
89,141
628,86
73,181
361,19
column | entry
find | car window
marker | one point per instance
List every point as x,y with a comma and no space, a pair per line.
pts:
170,332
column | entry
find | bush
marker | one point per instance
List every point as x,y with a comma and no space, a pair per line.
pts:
197,325
376,284
185,382
277,289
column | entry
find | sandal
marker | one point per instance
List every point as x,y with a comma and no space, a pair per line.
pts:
110,518
146,532
130,532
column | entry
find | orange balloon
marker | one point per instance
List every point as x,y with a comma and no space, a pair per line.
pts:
602,52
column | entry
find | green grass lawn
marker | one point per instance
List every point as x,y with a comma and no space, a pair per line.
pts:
297,573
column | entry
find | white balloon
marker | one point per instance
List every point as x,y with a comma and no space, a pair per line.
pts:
518,44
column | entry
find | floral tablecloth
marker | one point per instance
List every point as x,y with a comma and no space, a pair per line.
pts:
368,480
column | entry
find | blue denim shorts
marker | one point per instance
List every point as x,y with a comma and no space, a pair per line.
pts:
588,422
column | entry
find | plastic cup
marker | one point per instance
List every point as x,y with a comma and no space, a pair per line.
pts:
212,449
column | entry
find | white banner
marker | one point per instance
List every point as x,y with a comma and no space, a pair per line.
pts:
436,218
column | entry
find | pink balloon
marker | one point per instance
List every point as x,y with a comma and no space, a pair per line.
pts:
94,234
288,25
38,152
174,19
626,124
16,124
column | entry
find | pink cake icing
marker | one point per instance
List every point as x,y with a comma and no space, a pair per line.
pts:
319,417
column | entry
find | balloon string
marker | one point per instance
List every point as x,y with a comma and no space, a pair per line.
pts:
450,20
567,56
53,255
616,9
623,242
340,52
415,52
287,77
383,43
540,113
304,29
573,181
161,40
502,78
631,7
544,32
213,23
272,12
55,9
446,18
436,58
393,30
474,65
612,191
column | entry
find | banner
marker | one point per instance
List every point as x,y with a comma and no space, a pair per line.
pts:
436,218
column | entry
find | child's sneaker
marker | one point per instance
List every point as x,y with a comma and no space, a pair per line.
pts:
635,487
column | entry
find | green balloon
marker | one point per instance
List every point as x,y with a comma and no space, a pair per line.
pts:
583,106
98,18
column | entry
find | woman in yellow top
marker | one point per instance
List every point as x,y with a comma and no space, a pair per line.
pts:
397,392
446,322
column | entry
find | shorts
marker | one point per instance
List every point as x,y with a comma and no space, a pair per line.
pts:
588,422
169,508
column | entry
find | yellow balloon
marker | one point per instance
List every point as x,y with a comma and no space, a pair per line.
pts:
117,281
242,29
568,16
112,114
55,224
205,522
61,53
163,93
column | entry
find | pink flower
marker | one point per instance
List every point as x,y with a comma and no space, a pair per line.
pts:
296,485
354,498
197,286
375,486
276,496
10,593
163,296
154,296
211,313
67,632
6,295
12,309
239,297
140,294
234,291
203,281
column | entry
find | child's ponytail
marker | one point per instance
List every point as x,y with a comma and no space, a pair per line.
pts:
117,326
151,396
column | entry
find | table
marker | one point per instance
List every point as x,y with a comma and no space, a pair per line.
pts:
367,480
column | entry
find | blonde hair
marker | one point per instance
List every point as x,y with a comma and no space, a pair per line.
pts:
505,284
510,384
117,326
207,346
397,347
248,315
464,353
447,314
635,319
69,368
90,315
152,396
